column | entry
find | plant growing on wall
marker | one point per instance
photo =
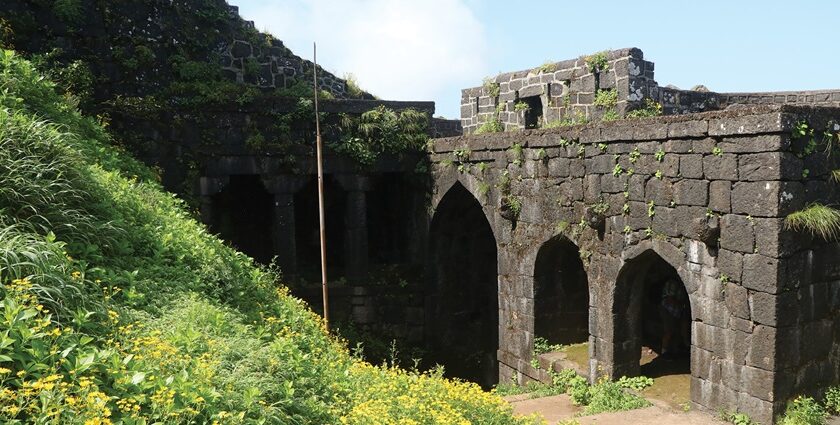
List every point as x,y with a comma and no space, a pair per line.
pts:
820,220
651,108
597,62
382,130
521,106
491,87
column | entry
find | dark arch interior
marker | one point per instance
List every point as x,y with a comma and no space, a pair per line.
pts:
390,216
561,294
244,216
307,229
650,313
463,309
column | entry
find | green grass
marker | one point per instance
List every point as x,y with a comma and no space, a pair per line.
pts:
117,305
820,220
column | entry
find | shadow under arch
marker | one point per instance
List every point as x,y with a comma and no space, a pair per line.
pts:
462,307
652,309
243,216
561,293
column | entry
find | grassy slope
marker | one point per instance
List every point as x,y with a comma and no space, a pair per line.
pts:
117,306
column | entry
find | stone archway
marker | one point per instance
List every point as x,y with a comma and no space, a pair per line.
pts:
561,293
462,306
242,215
652,319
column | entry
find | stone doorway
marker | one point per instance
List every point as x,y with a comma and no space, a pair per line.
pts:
243,216
561,294
462,309
307,229
653,320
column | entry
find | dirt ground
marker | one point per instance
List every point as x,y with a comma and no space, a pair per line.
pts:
669,395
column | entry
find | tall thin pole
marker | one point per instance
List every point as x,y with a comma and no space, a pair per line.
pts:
320,190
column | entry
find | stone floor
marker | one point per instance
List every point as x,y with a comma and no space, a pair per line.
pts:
560,408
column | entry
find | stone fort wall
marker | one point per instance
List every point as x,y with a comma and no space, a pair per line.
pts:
567,91
708,193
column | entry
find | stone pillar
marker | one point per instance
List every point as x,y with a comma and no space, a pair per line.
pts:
283,225
355,226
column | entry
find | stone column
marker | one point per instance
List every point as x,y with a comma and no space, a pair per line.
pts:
283,225
355,226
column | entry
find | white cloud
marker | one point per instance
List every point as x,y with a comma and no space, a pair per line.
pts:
397,49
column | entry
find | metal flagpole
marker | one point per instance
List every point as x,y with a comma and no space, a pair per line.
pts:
320,190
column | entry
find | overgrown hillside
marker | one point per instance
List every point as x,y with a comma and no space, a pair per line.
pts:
118,307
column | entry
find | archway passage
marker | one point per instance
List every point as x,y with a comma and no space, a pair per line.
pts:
653,318
244,216
307,229
462,331
561,294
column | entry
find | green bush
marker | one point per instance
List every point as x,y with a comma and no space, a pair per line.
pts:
832,400
606,396
804,411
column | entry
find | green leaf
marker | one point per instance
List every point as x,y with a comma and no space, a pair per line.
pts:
138,378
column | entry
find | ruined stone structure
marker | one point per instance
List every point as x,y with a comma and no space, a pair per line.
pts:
700,198
567,234
566,91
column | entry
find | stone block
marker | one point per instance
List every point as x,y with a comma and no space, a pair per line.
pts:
737,300
758,382
240,49
767,199
774,310
691,192
761,273
769,166
737,233
720,167
636,188
752,144
688,129
749,124
665,222
691,166
600,164
762,351
659,191
719,196
731,264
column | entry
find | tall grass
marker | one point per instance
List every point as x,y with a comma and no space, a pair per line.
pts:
818,219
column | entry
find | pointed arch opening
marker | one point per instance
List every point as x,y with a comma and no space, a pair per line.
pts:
652,327
561,294
243,216
462,312
307,229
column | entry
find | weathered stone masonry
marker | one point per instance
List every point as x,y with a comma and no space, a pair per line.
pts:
566,91
763,298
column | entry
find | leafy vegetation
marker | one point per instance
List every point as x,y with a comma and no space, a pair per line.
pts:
491,125
597,62
818,219
382,130
804,411
606,98
542,346
651,108
116,306
491,87
737,418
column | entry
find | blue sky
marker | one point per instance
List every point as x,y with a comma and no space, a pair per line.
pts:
430,50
